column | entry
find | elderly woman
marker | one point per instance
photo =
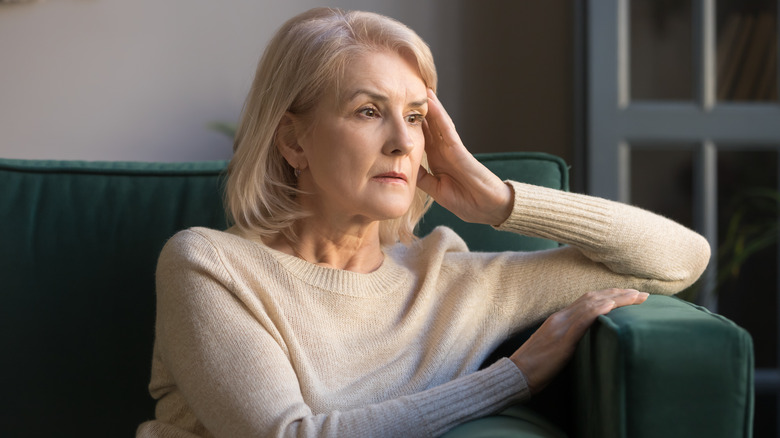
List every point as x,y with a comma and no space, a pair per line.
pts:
320,314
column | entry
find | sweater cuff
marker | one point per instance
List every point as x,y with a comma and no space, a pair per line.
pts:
558,215
479,394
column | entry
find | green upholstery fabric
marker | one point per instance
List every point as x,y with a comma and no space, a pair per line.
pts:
666,369
78,247
516,422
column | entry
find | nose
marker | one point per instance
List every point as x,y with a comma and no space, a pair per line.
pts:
399,140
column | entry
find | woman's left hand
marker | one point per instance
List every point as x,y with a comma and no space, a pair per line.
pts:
548,350
458,181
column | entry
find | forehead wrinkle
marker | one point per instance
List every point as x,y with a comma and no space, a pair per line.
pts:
361,76
383,98
419,103
372,95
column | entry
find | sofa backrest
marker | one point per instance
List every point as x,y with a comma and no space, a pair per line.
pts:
78,247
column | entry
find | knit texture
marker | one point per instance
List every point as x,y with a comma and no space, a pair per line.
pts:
254,342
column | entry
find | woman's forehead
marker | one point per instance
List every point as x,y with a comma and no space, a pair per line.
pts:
381,76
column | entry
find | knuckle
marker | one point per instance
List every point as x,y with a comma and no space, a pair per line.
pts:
557,318
595,306
591,295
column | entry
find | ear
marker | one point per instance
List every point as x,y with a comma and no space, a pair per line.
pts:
288,135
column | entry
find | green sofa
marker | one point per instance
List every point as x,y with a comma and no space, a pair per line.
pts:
78,246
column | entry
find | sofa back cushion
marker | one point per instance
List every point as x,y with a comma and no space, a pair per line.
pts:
79,243
78,247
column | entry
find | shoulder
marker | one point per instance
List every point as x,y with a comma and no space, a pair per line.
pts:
432,249
195,239
441,239
199,246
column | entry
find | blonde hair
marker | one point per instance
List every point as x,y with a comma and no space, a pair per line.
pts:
305,57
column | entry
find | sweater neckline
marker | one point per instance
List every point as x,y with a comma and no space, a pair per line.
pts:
381,281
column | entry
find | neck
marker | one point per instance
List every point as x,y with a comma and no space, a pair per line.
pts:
355,249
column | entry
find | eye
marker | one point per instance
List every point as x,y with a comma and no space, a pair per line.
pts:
415,119
369,112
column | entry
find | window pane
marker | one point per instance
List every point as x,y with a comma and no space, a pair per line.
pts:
662,181
747,50
747,235
661,50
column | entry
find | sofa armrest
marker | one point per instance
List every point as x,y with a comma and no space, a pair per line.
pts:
664,368
517,421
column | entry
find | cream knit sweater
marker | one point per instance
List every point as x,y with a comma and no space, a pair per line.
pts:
252,342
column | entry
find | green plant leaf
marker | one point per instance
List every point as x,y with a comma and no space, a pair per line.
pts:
228,129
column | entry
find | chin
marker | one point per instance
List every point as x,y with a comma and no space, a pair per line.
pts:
393,212
394,215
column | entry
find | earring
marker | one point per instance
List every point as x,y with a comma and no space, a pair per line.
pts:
297,172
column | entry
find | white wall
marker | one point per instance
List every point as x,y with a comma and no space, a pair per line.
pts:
142,79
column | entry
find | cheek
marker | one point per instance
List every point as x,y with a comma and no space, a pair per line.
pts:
418,159
330,152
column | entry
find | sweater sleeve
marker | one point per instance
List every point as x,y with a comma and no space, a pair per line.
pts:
607,244
231,370
627,240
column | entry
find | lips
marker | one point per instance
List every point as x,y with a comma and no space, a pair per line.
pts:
391,177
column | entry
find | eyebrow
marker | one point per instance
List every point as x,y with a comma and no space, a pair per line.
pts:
382,98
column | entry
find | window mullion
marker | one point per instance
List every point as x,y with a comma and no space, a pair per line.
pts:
704,50
706,216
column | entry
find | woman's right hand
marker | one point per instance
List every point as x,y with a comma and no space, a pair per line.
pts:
458,181
548,350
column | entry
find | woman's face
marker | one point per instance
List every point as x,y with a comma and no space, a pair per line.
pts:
365,144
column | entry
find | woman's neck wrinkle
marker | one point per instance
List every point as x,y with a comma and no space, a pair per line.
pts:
358,252
362,257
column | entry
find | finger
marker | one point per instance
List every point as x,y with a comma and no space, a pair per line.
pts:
586,311
592,304
431,120
426,182
641,297
430,141
584,315
630,297
610,293
441,124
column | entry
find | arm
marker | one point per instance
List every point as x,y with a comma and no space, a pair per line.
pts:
231,365
610,245
639,249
